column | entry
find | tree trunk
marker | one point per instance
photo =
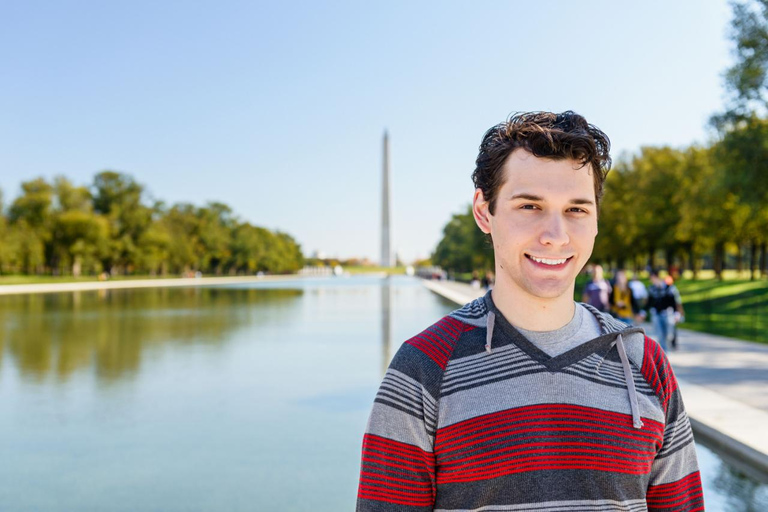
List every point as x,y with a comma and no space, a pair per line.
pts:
739,261
669,256
762,259
652,258
76,267
718,260
692,261
752,260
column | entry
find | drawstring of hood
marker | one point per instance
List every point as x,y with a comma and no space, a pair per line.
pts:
636,421
489,322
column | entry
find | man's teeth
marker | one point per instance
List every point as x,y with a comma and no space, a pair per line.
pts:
548,262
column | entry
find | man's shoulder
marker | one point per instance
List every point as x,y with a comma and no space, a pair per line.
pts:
438,341
645,353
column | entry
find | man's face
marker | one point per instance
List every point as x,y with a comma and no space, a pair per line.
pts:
544,225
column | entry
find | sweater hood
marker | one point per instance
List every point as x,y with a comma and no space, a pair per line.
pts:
627,340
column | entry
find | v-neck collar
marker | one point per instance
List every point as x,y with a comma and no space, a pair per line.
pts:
559,361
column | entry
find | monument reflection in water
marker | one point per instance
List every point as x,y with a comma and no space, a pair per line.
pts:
236,398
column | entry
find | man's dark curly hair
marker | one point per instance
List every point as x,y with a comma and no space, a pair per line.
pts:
545,135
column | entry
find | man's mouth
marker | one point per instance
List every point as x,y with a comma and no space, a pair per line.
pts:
553,263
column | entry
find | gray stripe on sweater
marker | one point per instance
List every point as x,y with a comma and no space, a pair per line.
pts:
562,506
550,388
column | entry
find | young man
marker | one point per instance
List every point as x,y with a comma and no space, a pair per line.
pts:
524,400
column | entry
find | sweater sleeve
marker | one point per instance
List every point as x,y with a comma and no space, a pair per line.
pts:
397,472
675,483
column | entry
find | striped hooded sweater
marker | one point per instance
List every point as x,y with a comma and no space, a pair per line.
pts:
471,416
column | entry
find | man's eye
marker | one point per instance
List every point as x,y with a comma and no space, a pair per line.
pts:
528,207
577,210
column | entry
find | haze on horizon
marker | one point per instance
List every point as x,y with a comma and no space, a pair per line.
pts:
279,110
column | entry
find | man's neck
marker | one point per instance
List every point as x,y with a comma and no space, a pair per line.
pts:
533,314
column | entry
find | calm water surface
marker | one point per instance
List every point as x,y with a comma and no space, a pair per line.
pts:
234,398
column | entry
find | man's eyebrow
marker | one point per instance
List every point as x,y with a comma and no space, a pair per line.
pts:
531,197
527,197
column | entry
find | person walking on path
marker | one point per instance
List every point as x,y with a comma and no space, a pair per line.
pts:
640,293
523,399
597,291
665,307
622,299
679,315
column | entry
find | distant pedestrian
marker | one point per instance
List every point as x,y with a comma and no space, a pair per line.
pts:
488,279
475,283
597,292
622,300
679,314
665,306
640,293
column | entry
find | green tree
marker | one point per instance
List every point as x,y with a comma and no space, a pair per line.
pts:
742,153
464,247
180,224
31,217
119,198
79,237
215,226
660,195
618,231
747,79
81,240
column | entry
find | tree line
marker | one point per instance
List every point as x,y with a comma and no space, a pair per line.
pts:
665,207
694,207
62,229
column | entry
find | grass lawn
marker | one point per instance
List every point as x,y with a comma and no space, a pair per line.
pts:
736,308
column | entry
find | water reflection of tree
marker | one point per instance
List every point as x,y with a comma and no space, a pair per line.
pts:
62,333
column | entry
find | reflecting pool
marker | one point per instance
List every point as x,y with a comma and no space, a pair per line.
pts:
238,398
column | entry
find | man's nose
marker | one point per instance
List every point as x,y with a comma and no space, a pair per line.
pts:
554,231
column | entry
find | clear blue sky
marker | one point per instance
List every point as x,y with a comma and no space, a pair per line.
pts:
278,109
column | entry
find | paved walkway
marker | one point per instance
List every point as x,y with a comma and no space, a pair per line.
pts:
724,384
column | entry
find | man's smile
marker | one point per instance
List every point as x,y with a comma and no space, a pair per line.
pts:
549,263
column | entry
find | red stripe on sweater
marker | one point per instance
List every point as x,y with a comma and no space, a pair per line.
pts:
511,432
673,487
649,449
558,447
387,445
396,472
566,410
474,428
682,495
367,476
425,347
438,341
449,329
658,372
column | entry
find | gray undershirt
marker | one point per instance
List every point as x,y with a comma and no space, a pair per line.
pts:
582,328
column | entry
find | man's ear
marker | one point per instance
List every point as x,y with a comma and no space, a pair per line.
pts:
481,212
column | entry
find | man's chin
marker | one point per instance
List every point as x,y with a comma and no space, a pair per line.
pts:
551,291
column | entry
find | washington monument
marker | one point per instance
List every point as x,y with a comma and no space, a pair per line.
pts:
386,252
